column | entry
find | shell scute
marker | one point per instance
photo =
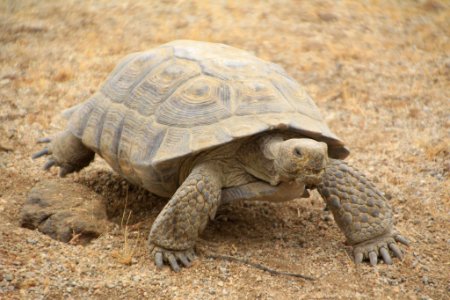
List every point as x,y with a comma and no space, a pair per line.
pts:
200,101
258,96
159,84
131,71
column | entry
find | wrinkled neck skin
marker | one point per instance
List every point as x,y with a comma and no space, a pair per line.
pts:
258,155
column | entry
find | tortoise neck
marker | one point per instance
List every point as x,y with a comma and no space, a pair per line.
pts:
257,156
270,145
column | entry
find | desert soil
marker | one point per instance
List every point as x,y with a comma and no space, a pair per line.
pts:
378,70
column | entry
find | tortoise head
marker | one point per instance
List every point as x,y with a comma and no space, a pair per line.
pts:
300,159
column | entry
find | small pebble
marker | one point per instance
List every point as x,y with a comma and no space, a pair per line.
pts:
4,81
8,277
425,280
29,275
32,241
110,285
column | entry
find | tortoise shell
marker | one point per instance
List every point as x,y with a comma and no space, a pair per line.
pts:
161,106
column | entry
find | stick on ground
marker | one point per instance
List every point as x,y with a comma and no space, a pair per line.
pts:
259,266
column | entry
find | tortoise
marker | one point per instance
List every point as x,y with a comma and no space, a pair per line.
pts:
205,123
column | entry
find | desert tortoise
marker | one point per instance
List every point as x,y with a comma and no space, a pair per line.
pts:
204,123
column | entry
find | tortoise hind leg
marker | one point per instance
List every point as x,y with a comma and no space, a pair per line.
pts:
65,151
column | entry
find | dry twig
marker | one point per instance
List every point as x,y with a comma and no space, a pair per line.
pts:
259,266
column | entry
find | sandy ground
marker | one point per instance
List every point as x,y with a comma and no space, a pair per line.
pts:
378,70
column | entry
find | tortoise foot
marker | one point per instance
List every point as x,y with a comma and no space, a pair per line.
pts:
172,257
379,248
66,152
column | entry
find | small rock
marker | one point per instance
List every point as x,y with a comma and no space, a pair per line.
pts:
31,241
8,277
110,285
425,268
136,278
29,275
327,218
425,280
61,209
5,81
328,17
72,283
212,291
69,289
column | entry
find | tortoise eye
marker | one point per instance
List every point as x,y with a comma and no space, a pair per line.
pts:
297,152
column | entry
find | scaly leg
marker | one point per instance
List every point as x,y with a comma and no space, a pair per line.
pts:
361,212
177,227
65,151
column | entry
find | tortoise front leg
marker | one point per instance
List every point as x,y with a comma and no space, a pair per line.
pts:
361,212
177,227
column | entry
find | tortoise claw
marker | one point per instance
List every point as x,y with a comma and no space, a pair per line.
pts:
397,252
183,259
359,258
50,163
43,152
401,239
173,262
64,170
373,257
44,140
159,260
385,255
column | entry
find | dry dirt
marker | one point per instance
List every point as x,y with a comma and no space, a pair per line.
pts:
378,70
